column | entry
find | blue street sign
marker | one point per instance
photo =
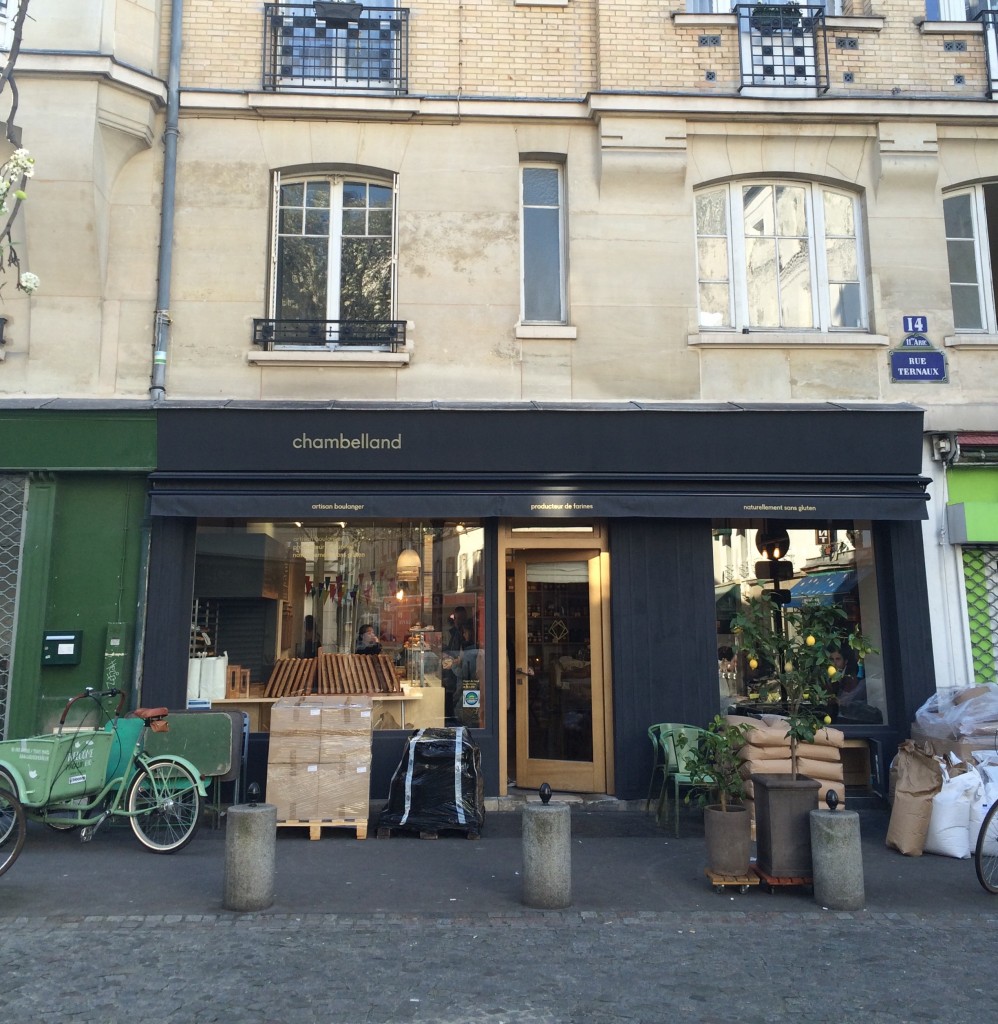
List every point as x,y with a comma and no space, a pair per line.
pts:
915,324
916,341
913,366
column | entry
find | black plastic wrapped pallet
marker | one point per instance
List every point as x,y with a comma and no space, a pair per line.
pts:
438,784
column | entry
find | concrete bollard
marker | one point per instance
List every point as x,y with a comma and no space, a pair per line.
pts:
837,860
547,856
250,848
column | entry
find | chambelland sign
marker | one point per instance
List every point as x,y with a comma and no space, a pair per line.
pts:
915,361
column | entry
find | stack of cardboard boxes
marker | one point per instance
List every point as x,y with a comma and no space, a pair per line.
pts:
319,764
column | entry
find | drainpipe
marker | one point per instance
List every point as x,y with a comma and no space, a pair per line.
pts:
157,388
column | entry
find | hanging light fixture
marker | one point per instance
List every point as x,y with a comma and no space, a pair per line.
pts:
408,566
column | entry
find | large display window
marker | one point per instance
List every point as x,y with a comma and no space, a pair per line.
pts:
832,563
390,608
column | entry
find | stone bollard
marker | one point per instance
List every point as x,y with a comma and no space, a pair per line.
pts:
547,856
250,847
837,860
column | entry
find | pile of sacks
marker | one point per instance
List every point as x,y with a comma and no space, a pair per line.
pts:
766,751
939,803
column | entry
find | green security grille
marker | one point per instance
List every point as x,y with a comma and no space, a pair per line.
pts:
980,571
11,518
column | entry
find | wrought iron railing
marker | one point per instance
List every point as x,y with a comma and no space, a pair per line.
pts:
336,46
783,46
384,335
989,26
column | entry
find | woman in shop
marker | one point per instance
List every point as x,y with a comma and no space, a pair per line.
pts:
367,640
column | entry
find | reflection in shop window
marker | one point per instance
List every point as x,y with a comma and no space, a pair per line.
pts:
827,564
284,596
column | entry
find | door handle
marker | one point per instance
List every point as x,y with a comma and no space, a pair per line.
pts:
520,673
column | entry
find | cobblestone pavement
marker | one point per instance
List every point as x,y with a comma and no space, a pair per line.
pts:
553,968
410,931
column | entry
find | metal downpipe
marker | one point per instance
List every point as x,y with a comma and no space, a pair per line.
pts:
161,324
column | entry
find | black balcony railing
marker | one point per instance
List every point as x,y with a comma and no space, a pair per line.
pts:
336,46
783,46
989,26
382,335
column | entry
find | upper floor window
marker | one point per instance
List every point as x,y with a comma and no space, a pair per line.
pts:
333,277
970,216
336,45
779,256
952,10
543,245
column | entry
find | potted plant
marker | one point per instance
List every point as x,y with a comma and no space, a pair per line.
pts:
713,765
796,646
770,18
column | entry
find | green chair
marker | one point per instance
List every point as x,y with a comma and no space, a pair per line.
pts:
660,761
678,774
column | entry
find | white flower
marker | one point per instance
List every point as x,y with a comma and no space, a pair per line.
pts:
29,282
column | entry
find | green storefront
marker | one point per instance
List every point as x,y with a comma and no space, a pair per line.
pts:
972,523
73,543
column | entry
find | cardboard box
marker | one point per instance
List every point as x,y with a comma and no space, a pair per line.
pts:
295,729
344,790
962,746
346,715
294,790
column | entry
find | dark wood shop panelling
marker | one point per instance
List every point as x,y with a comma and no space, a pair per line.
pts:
664,641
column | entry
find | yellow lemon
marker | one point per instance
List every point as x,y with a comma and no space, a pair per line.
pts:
827,719
806,696
752,663
832,670
810,641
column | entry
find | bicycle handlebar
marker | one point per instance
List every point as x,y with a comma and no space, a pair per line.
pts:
97,695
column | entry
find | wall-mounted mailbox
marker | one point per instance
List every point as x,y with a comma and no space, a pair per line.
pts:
63,648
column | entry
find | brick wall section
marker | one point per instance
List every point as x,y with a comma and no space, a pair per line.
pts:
486,48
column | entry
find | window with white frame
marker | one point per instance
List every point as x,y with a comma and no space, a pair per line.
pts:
781,256
334,255
542,244
971,218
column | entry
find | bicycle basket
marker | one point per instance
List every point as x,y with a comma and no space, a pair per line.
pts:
55,768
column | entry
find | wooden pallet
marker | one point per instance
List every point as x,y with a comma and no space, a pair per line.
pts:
771,882
315,827
741,882
386,832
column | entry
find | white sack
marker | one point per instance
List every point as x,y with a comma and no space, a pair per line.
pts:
949,826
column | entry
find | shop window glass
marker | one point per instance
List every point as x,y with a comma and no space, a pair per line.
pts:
827,564
271,596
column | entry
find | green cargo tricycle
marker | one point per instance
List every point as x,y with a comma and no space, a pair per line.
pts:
81,775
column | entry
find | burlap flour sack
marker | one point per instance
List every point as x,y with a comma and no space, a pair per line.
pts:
919,778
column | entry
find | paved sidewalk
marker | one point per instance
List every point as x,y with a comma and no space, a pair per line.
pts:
433,932
622,862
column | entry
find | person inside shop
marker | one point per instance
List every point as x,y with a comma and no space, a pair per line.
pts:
367,640
310,639
848,687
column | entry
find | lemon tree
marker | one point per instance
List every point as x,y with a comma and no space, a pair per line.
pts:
796,643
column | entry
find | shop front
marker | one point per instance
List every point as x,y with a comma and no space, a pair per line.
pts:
554,578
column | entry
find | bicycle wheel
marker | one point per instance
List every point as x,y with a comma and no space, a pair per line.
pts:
13,829
164,798
986,853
